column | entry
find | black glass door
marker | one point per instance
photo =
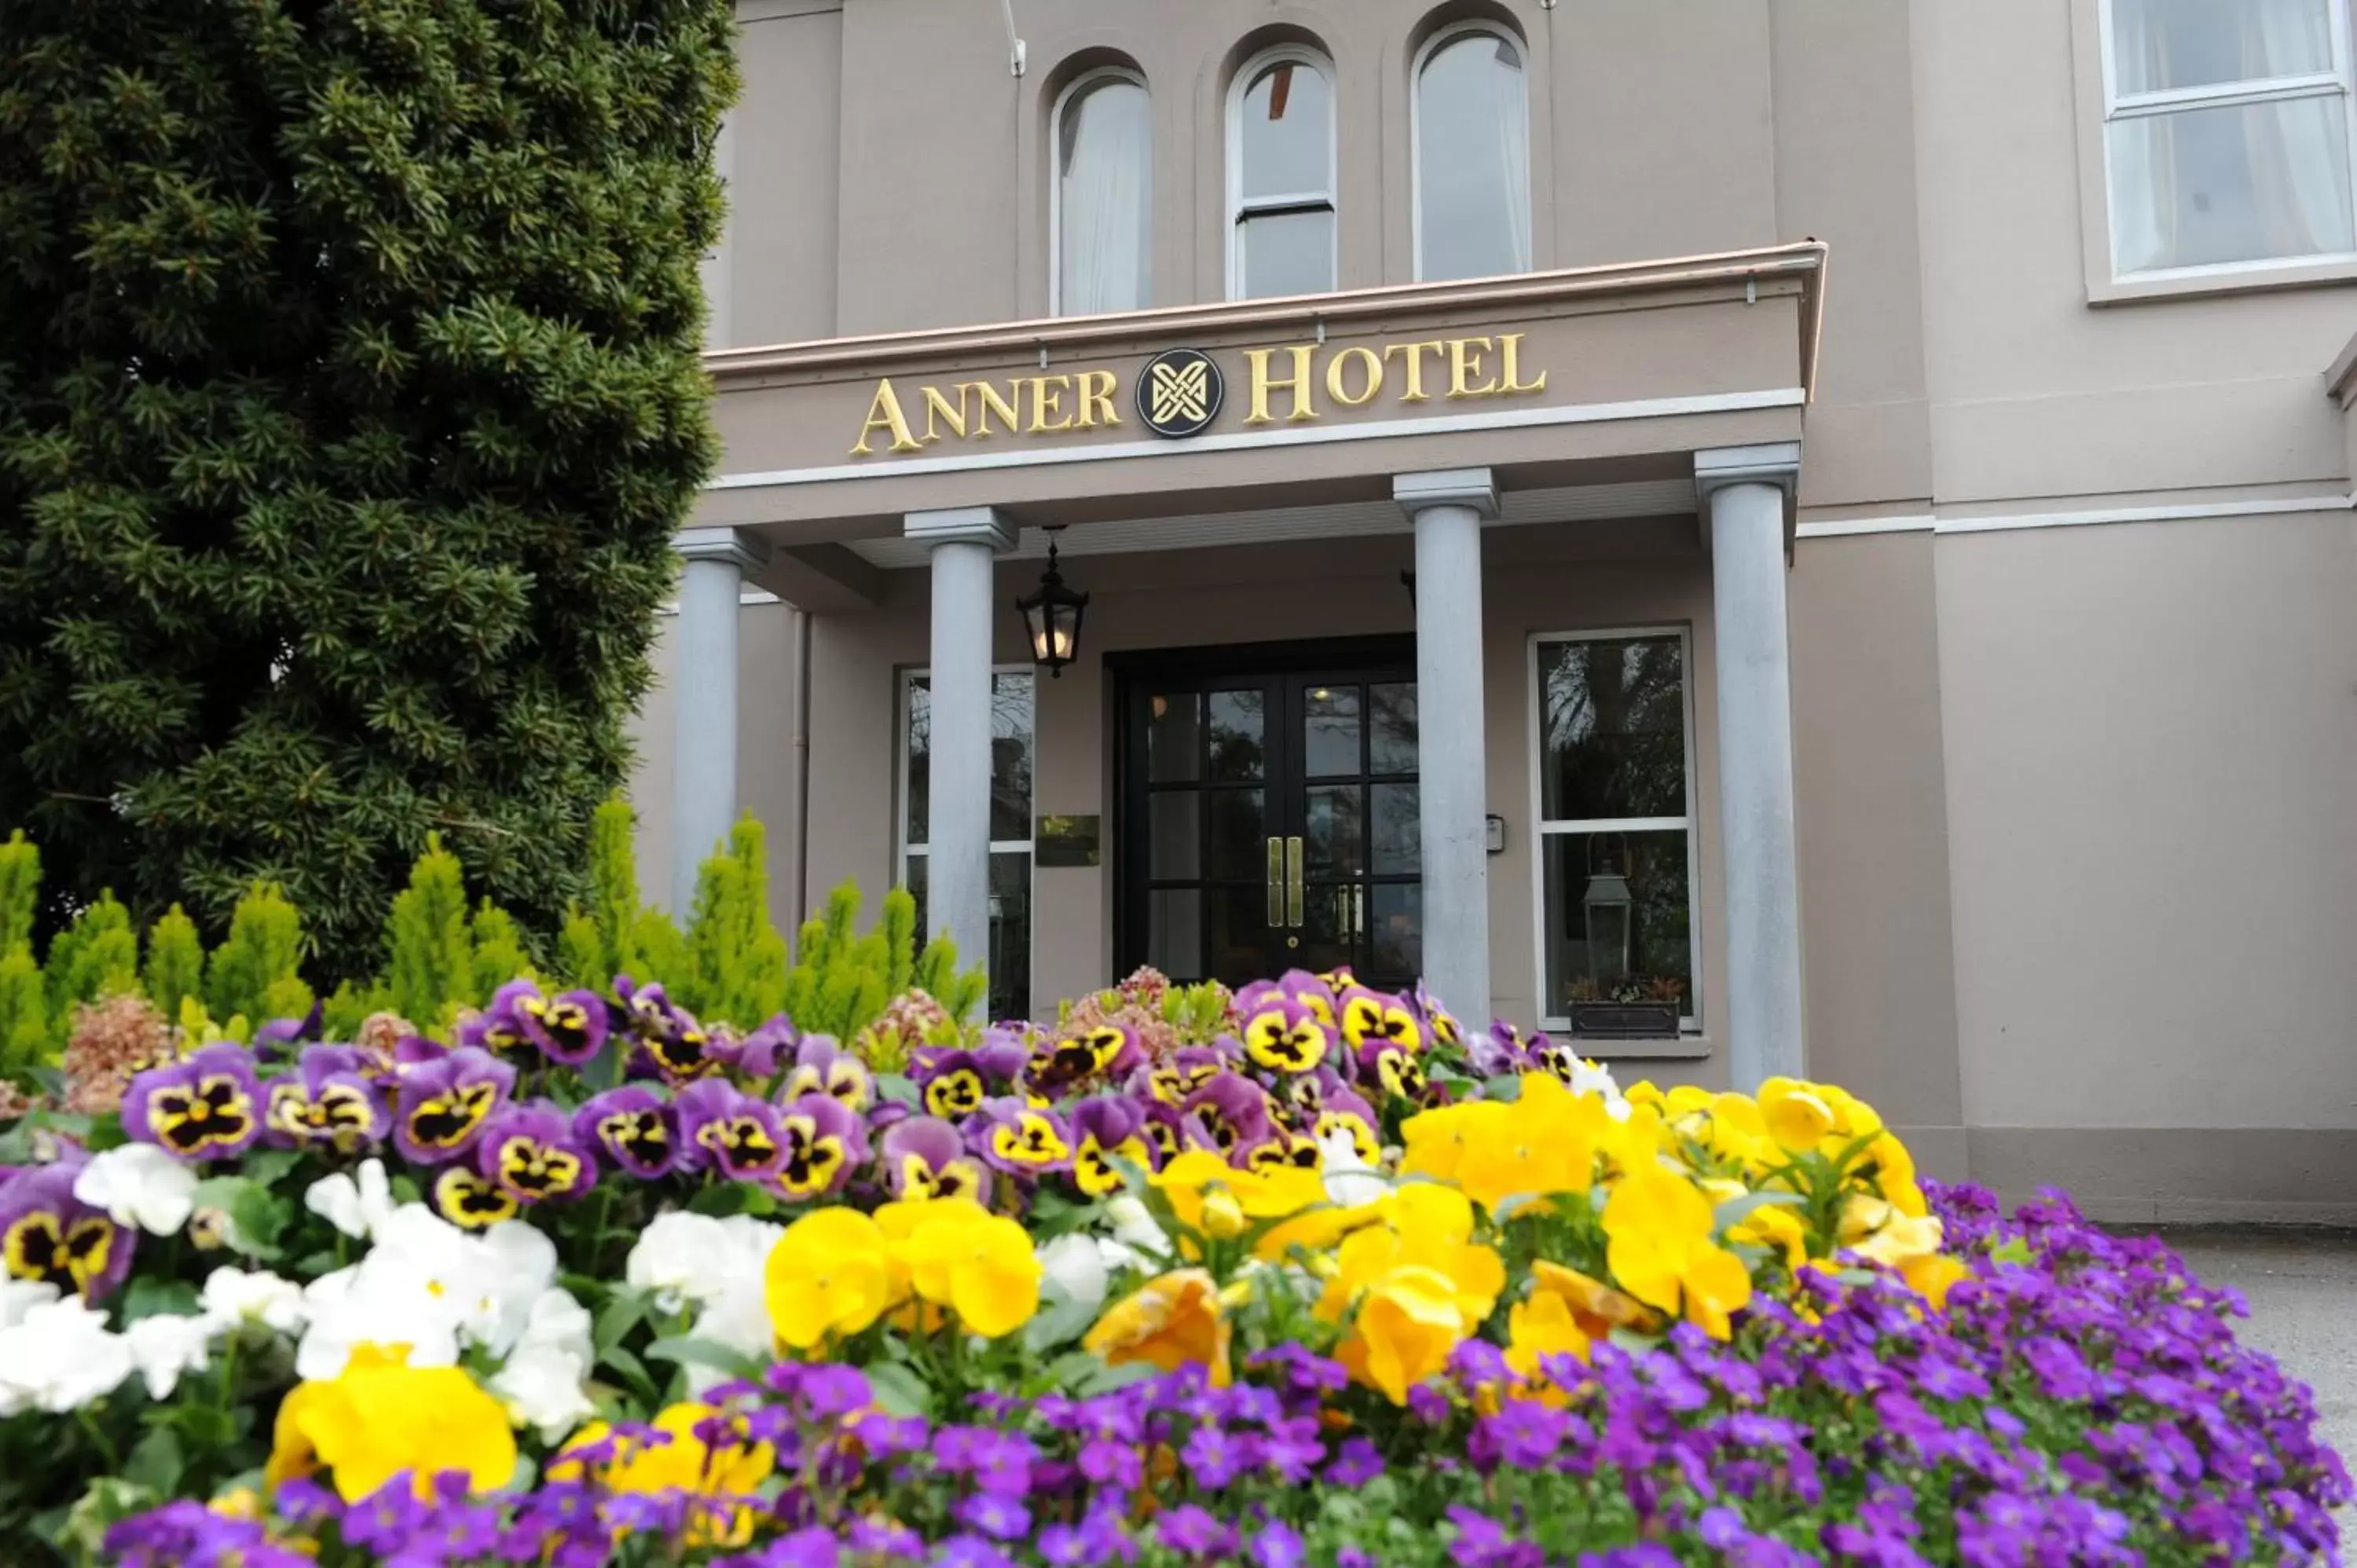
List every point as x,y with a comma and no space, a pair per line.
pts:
1268,813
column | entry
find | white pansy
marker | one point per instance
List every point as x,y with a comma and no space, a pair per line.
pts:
541,1387
1593,1077
428,1284
1078,1270
739,1318
1350,1182
1141,1242
233,1296
58,1357
355,1205
166,1346
343,1311
18,1297
678,1257
140,1184
557,1322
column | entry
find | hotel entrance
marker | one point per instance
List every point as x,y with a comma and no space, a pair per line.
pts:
1268,813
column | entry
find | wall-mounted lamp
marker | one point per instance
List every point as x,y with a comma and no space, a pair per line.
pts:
1051,618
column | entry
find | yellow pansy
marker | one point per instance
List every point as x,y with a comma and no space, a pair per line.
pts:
1932,1275
1887,1166
984,1270
1541,1327
1877,1231
1852,1117
1435,1142
1659,1246
1777,1228
1172,1321
1797,1113
1545,1144
831,1272
684,1464
1596,1307
1427,1228
1211,1196
381,1416
1411,1320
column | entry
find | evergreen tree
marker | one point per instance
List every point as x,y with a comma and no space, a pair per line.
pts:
737,959
176,963
96,956
500,953
431,957
349,398
253,974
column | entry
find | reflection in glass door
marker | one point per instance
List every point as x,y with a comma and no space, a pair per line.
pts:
1269,814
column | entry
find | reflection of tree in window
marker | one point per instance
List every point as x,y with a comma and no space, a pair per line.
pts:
1614,723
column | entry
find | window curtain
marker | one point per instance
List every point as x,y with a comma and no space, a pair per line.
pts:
1512,102
2299,150
2143,151
1103,218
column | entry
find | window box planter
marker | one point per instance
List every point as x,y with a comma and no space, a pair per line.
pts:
1624,1020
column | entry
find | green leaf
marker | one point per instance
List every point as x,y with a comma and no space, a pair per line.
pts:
269,1167
1104,1379
686,1350
1505,1086
623,1311
899,1389
151,1297
634,1373
257,1214
1736,1210
156,1462
893,1087
2014,1249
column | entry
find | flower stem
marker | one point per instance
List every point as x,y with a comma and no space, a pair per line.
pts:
98,1436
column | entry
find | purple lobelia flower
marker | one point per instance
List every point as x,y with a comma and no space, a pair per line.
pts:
570,1028
205,1108
924,1156
48,1235
1234,1111
530,1153
670,1043
443,1104
824,1144
327,1102
1282,1035
1109,1129
724,1128
822,1067
1020,1139
633,1127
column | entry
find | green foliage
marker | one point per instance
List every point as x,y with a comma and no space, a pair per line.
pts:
20,891
842,980
176,963
253,974
351,394
581,952
24,1018
500,954
614,906
961,993
901,938
736,957
98,955
430,967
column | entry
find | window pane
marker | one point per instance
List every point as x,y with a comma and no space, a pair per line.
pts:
1239,935
2162,44
1288,142
1395,933
1174,827
1391,740
2242,183
1329,730
1010,756
1332,830
1473,189
1284,253
1398,841
919,740
1239,846
1010,935
1174,737
1174,931
1237,741
1104,171
1616,916
1612,729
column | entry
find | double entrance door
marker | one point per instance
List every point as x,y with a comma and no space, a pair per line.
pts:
1269,813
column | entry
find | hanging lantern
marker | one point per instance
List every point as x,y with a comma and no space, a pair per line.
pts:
1607,905
1051,618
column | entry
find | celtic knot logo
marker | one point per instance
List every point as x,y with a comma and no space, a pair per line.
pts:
1180,393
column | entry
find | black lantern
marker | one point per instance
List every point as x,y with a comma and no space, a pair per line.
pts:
1051,618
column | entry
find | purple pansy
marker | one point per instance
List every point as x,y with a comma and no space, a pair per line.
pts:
1281,1035
1109,1129
724,1128
569,1028
530,1153
48,1235
671,1044
925,1156
208,1107
822,1067
824,1144
327,1102
633,1127
1234,1111
952,1084
1020,1139
443,1104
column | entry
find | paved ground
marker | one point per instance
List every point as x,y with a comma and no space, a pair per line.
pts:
2302,1286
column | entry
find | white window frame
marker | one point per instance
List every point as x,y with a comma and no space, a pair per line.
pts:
1433,46
1237,209
1544,828
1056,173
905,683
2340,81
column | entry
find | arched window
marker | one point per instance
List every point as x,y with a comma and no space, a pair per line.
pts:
1472,156
1104,181
1281,177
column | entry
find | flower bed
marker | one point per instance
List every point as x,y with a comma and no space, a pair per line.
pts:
1300,1274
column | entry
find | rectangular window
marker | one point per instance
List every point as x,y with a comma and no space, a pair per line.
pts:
1611,727
2226,135
1011,751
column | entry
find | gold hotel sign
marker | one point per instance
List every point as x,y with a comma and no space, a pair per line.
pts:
1177,393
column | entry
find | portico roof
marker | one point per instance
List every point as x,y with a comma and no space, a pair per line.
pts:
1555,381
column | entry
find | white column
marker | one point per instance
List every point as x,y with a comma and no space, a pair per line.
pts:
703,744
1746,490
965,542
1452,775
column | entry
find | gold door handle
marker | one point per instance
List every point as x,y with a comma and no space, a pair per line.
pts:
1277,882
1358,910
1293,883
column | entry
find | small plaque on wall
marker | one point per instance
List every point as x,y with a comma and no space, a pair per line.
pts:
1064,840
